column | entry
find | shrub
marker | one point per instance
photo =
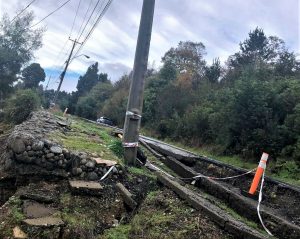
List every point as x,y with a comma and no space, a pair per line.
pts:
20,105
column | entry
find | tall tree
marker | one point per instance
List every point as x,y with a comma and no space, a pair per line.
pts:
187,56
88,80
17,44
214,71
32,75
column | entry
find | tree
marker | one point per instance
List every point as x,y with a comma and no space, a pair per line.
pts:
20,105
89,79
17,44
188,56
213,72
32,75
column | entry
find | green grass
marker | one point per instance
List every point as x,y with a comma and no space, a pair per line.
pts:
119,232
141,172
90,138
13,218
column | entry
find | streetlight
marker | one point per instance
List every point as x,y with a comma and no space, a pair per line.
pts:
86,56
62,75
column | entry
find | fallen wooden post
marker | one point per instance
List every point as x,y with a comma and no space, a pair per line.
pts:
126,195
219,216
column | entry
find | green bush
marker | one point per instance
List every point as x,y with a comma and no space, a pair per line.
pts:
20,105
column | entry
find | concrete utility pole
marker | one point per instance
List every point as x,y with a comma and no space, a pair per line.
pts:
135,101
62,75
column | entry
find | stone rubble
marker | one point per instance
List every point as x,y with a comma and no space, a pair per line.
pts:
28,149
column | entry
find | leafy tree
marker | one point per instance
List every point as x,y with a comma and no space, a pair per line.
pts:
20,105
213,72
89,79
86,107
32,75
17,44
188,56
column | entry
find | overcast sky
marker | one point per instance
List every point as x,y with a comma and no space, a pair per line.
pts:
219,24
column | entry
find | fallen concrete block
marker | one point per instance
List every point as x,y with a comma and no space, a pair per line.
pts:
85,187
44,222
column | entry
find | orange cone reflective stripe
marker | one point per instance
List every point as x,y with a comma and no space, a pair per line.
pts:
259,172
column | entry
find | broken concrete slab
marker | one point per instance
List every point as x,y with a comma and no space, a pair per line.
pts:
107,163
85,187
18,233
44,221
37,197
36,210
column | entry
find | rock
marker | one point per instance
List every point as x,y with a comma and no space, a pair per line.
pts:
28,148
94,155
92,176
37,146
56,149
76,171
17,145
50,155
48,143
83,161
90,164
35,210
60,163
115,170
38,161
44,221
19,157
66,153
30,153
107,163
85,187
18,233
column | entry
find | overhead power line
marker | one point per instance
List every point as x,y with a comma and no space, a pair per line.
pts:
81,25
57,58
23,10
88,20
93,27
50,14
75,18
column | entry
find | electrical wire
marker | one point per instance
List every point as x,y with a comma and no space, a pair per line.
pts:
88,20
57,58
90,4
50,14
75,18
93,27
23,10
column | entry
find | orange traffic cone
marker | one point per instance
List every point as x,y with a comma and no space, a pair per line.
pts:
259,172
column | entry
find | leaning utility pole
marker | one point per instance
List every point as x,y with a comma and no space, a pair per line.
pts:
135,101
62,75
